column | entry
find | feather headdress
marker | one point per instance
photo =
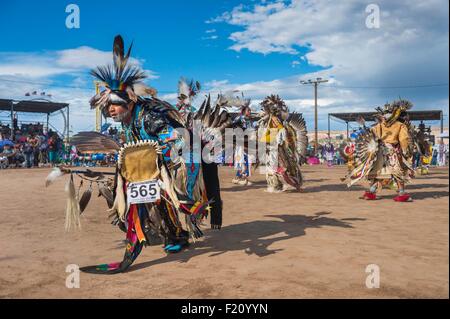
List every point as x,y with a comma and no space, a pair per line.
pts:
187,90
393,111
232,102
122,81
274,105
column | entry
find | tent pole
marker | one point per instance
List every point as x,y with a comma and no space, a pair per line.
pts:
347,129
329,132
68,123
12,121
48,119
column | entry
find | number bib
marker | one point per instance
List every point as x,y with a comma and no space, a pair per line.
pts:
143,192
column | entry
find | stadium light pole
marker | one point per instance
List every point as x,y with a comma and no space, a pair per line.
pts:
316,83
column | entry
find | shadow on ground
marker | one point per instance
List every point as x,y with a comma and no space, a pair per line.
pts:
332,188
252,237
424,195
421,186
263,185
432,177
238,188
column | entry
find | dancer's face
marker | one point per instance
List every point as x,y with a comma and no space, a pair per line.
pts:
120,113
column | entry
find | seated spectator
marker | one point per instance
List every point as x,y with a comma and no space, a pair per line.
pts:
19,157
13,154
6,156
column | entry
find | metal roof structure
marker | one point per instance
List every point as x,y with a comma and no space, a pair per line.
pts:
432,115
423,115
42,106
31,106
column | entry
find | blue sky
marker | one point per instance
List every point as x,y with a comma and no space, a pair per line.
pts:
258,47
172,37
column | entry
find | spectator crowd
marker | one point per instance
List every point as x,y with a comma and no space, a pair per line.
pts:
29,146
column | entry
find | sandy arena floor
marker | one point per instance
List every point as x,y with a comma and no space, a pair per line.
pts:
314,244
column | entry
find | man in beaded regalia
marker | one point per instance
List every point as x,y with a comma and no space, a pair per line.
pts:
149,162
286,142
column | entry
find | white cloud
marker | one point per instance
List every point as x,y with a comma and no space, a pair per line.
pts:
411,47
212,37
53,63
39,71
81,116
32,70
31,65
299,98
216,84
169,97
82,58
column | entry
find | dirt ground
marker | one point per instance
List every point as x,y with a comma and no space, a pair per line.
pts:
311,245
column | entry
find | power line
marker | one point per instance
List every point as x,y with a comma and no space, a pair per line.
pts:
369,87
59,85
280,87
390,87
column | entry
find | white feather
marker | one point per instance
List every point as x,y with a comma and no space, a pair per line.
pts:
54,174
120,206
72,207
183,88
140,89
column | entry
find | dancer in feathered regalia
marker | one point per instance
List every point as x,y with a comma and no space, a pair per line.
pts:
211,121
242,159
347,151
153,184
187,91
286,141
383,152
328,153
422,147
347,148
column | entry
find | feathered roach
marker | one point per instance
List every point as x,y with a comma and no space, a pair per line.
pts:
122,81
